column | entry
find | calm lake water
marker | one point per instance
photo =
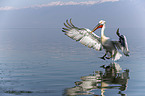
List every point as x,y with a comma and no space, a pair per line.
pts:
45,62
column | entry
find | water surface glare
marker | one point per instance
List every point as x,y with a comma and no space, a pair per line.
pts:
45,62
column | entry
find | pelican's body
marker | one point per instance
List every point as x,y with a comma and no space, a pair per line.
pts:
107,43
109,46
90,39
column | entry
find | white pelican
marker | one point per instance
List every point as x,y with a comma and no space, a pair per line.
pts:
91,40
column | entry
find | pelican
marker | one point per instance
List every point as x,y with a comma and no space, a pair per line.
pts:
90,39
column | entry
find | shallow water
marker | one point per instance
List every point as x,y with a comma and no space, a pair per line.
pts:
45,62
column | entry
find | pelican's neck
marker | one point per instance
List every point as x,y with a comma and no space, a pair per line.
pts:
102,31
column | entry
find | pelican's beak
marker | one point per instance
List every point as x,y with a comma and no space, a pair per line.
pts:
98,26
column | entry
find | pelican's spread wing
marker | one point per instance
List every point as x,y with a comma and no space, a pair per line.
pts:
122,44
83,35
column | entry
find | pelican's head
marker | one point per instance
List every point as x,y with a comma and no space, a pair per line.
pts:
100,25
102,22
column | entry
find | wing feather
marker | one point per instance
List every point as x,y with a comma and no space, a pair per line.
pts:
83,35
122,43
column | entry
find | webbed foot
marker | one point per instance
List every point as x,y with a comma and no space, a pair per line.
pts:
108,57
102,58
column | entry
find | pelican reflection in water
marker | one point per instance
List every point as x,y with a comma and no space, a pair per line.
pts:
112,78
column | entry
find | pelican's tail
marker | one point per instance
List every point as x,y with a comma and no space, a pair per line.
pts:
117,56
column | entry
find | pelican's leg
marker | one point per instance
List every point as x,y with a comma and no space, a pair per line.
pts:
103,57
109,57
112,54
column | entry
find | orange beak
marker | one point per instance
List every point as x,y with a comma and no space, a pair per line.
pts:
97,27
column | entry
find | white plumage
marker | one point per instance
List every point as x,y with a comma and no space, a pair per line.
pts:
91,40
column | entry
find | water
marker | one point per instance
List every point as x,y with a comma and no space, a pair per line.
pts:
45,62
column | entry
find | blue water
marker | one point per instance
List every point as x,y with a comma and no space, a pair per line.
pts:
45,62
